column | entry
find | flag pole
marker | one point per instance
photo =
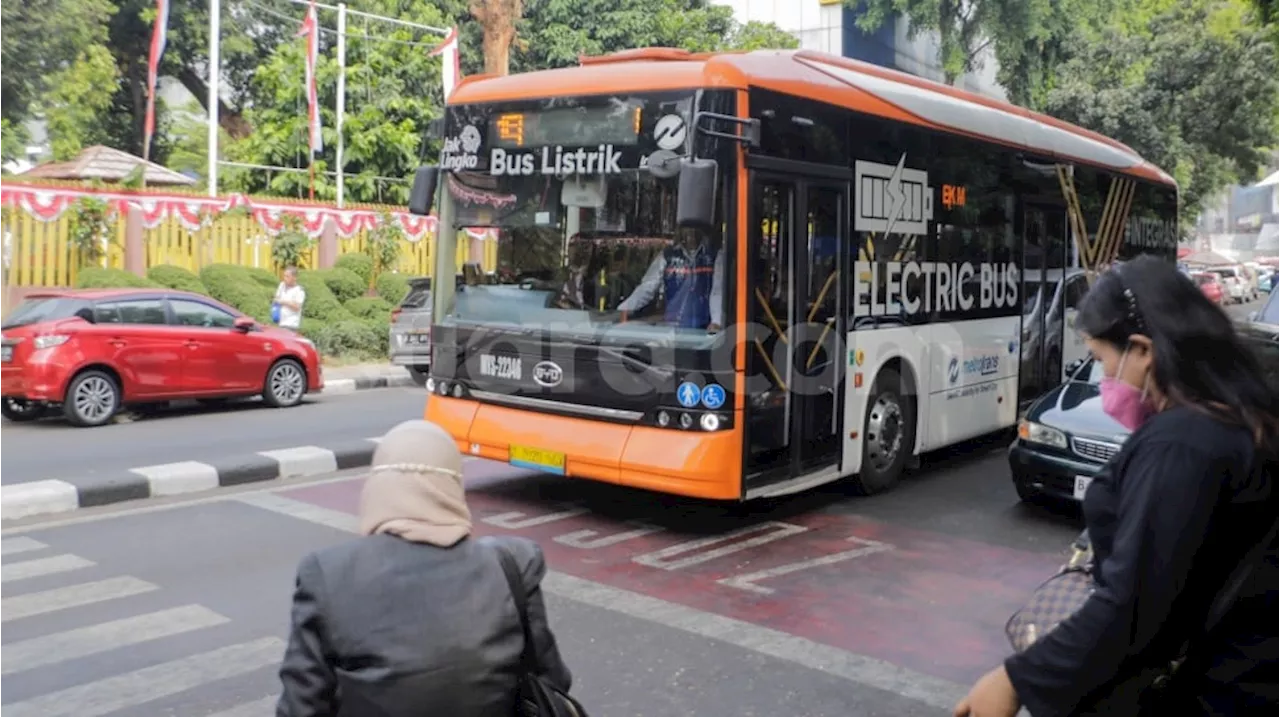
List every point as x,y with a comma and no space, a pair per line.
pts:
342,94
215,62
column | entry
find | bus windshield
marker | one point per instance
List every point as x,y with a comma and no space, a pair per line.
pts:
587,236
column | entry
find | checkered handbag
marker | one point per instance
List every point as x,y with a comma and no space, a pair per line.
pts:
1055,600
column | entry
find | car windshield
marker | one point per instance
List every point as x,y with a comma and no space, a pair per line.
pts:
1271,312
34,311
589,254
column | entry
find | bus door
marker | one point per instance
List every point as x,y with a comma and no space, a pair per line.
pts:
796,296
1044,268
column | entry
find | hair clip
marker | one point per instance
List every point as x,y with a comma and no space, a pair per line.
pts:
417,468
1135,315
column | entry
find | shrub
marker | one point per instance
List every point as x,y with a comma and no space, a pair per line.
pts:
95,277
262,276
344,283
392,287
372,308
351,338
175,277
236,287
361,264
321,304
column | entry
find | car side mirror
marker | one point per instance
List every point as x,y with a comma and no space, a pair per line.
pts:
244,323
1074,366
423,194
696,197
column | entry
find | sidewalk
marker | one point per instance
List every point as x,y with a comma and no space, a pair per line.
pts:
357,377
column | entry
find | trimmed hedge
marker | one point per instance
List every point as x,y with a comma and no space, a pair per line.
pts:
236,286
392,287
262,276
175,277
361,264
351,337
372,308
344,283
321,303
95,277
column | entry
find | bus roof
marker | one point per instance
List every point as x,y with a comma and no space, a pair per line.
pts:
835,80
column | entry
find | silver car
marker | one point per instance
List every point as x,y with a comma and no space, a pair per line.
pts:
411,330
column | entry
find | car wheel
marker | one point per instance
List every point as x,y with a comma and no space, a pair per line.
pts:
285,385
20,410
92,399
888,435
419,375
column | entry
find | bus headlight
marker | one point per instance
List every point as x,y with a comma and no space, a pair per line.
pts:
686,421
431,385
1039,433
664,419
710,422
457,390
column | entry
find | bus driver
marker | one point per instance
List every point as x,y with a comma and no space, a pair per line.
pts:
691,274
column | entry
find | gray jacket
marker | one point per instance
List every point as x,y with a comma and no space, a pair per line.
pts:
383,627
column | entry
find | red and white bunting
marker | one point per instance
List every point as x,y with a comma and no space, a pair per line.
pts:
48,204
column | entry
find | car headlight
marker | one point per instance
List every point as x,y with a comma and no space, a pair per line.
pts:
48,341
1038,433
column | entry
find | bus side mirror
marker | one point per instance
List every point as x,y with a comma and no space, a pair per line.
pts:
423,194
696,197
1074,366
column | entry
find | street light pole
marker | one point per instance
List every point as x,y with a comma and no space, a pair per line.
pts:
215,66
342,92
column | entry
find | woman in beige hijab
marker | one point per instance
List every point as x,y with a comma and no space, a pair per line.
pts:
416,616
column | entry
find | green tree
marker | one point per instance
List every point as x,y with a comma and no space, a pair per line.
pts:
761,36
1193,91
76,98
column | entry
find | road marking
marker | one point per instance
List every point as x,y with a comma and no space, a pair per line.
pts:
42,496
31,604
265,707
661,558
180,477
21,544
748,581
586,539
43,566
94,699
106,636
933,691
303,461
515,520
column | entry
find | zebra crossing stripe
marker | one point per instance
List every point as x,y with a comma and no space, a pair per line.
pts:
20,606
106,636
265,707
44,566
20,544
102,697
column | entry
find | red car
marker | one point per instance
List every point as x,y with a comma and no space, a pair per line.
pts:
1212,286
92,351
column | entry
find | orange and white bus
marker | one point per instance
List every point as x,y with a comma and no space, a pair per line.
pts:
741,275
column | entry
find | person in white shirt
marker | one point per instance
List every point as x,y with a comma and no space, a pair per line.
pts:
691,275
290,296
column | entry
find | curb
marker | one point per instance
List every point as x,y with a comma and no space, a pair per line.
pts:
45,497
350,385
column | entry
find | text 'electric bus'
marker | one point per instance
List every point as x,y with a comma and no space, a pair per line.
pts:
733,276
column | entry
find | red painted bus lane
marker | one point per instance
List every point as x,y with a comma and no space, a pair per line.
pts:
921,600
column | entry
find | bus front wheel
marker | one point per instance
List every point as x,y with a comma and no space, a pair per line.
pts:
888,434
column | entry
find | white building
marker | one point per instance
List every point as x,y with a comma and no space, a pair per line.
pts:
829,26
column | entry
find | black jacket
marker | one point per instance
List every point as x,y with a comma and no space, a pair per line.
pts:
383,627
1170,517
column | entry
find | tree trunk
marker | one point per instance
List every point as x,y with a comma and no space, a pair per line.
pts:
498,18
228,119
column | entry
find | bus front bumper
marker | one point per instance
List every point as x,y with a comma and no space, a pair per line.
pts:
694,463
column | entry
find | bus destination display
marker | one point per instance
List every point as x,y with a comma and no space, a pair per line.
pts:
574,126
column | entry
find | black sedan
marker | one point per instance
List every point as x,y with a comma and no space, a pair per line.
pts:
1064,438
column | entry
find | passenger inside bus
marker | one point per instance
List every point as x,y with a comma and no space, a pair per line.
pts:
689,273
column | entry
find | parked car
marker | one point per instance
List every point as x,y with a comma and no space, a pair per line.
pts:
1064,438
90,352
410,339
1211,285
1240,285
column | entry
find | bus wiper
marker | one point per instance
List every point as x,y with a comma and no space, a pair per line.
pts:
630,360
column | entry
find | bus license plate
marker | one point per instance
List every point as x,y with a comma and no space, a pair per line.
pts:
1082,486
537,459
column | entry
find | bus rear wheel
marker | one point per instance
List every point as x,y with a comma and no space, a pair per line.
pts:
888,435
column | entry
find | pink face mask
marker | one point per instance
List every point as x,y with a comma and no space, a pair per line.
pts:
1122,401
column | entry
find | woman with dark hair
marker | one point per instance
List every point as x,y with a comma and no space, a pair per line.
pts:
1174,515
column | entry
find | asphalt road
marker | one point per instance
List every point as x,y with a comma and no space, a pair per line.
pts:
819,604
190,432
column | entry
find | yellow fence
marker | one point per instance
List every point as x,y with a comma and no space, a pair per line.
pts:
39,253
